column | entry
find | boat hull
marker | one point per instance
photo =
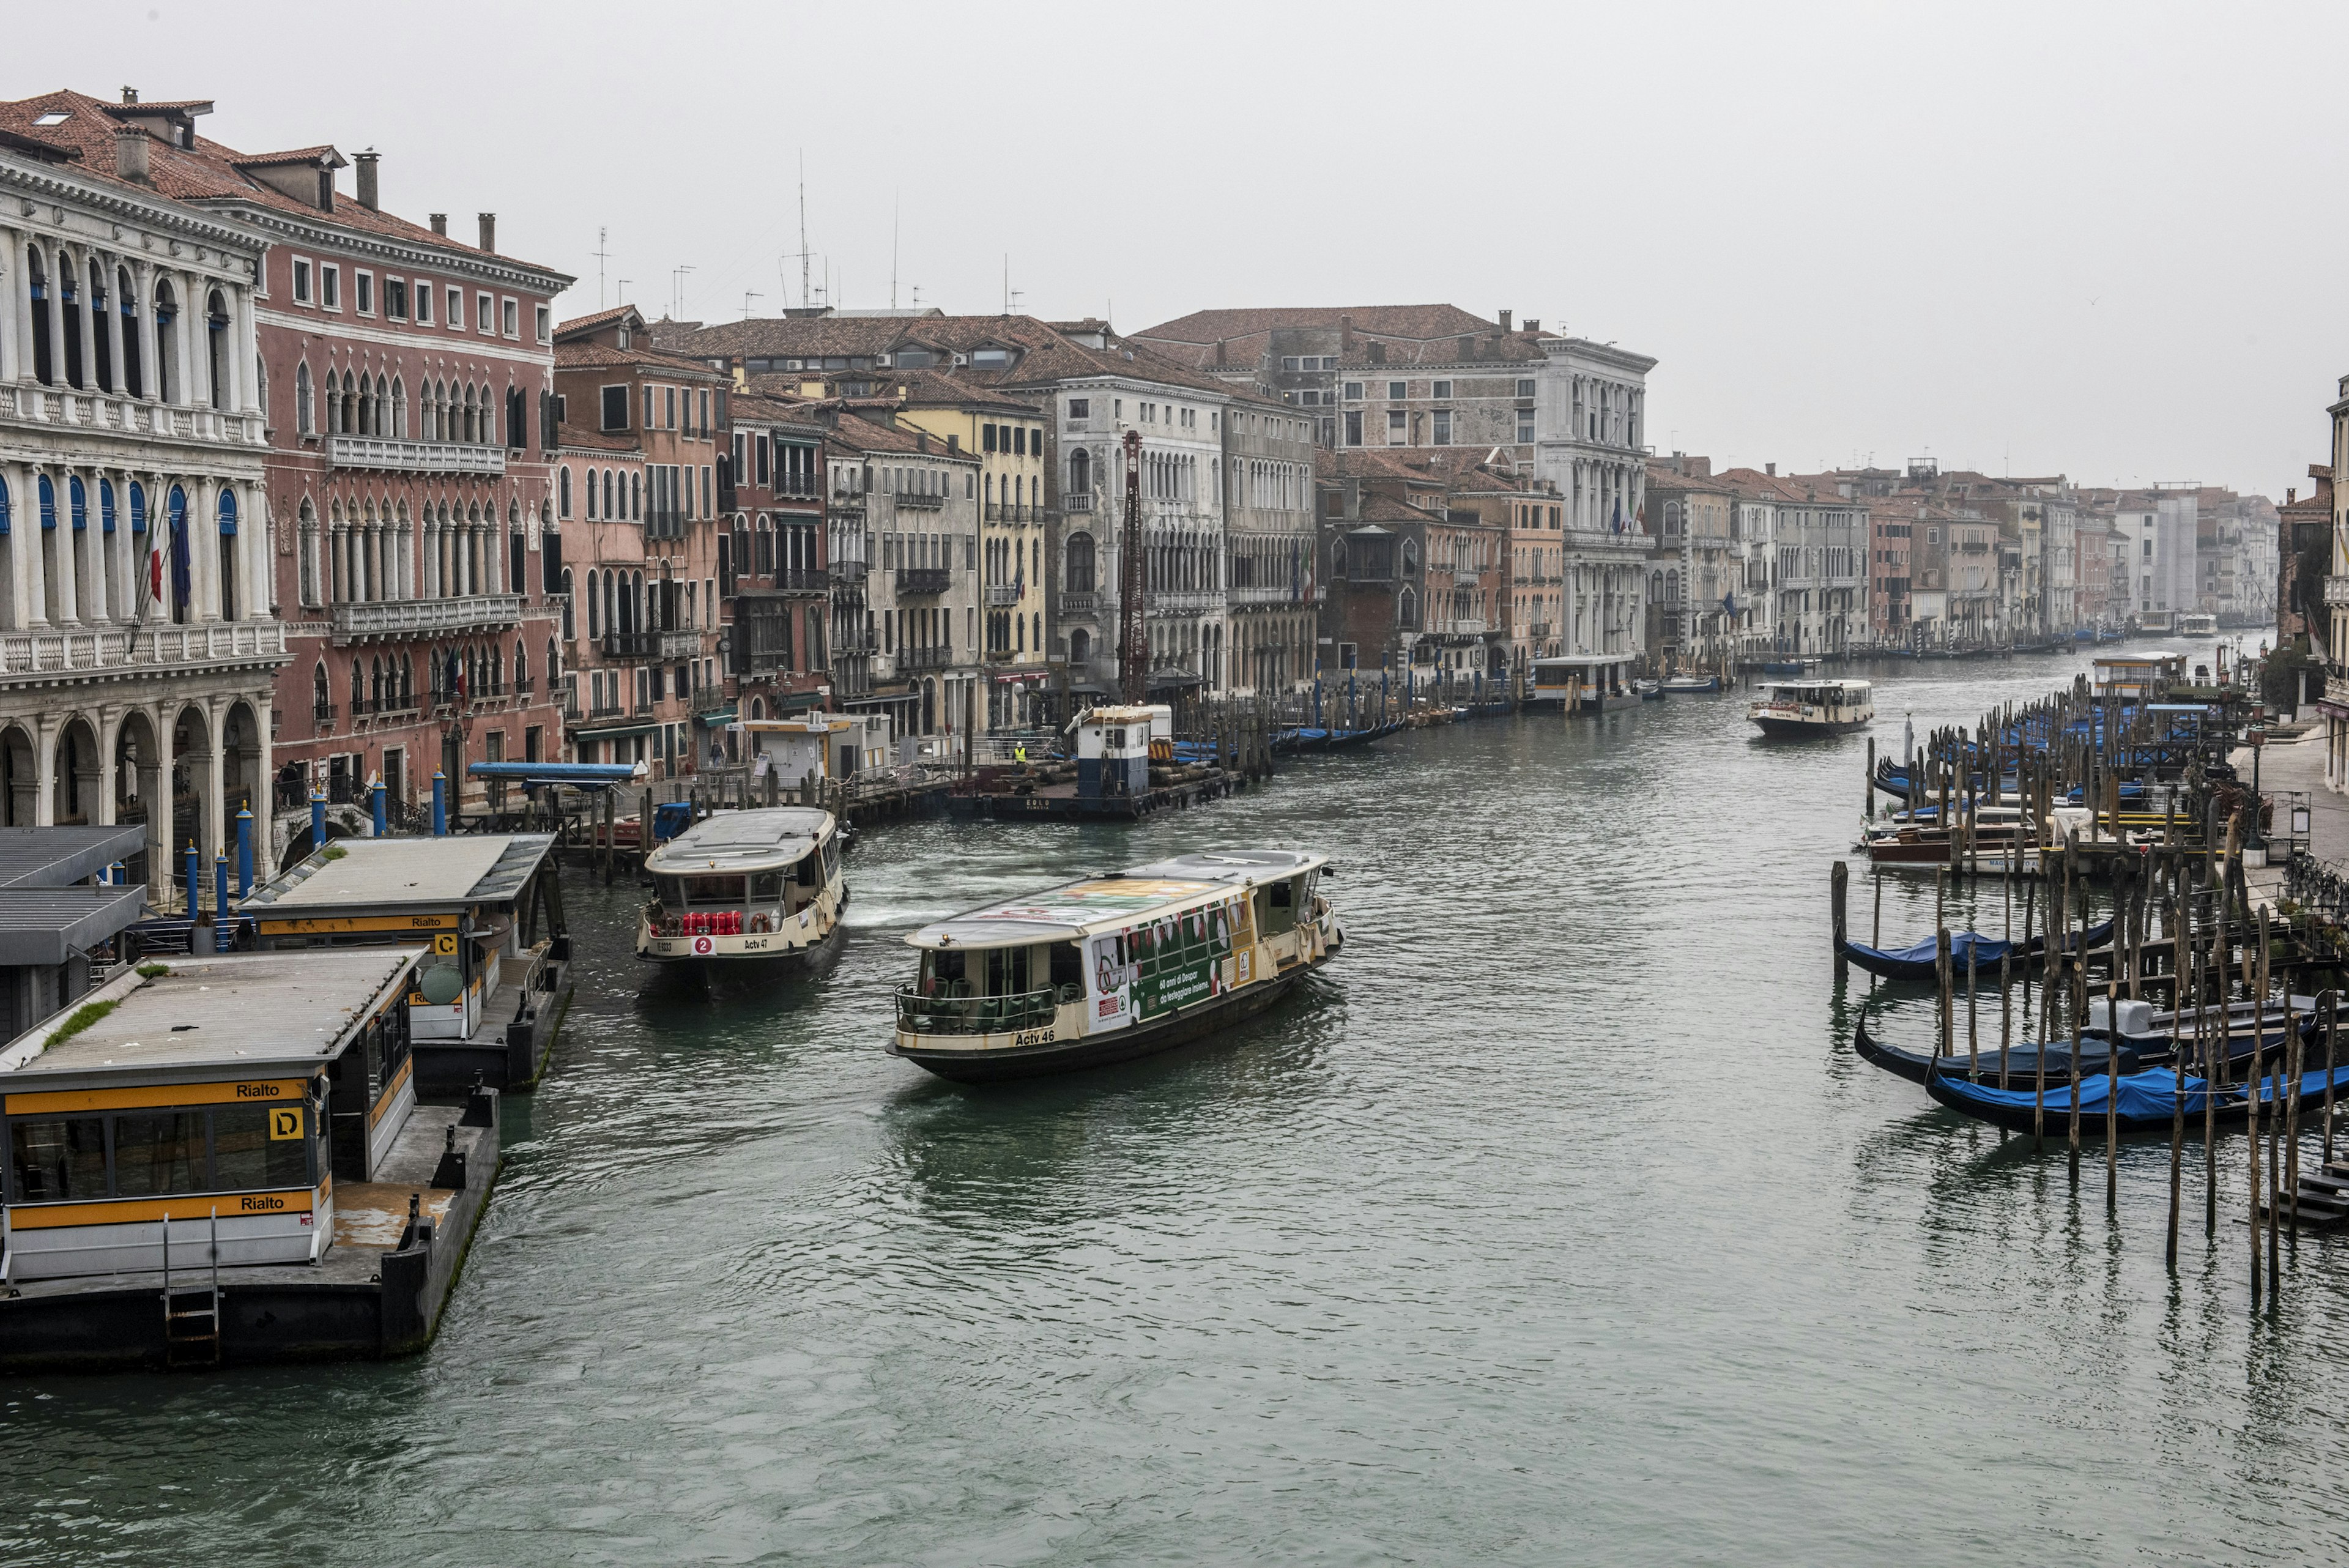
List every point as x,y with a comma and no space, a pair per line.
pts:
738,968
1808,729
1090,1051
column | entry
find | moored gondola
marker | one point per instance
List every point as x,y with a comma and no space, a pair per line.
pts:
2019,1062
1917,962
2148,1100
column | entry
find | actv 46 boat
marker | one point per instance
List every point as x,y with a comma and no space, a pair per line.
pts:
1115,967
743,891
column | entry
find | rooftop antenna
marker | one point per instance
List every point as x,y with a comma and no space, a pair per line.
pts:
917,297
602,256
1007,283
803,250
748,296
623,286
677,312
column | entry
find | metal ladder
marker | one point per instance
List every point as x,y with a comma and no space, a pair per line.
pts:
191,1318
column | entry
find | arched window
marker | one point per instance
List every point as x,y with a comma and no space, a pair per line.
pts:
227,513
359,686
1079,574
563,492
399,430
305,411
175,515
1407,608
322,701
167,371
595,608
216,341
522,666
570,628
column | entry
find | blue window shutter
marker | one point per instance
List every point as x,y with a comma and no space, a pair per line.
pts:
105,506
228,512
48,494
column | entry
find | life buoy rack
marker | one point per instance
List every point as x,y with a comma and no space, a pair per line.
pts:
758,925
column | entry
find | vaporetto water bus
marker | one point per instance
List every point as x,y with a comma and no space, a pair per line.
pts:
1115,967
740,892
1798,708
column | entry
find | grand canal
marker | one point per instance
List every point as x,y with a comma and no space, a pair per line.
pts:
1558,1222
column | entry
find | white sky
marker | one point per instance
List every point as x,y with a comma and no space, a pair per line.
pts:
2025,238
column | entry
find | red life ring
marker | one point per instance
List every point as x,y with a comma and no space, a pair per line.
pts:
758,924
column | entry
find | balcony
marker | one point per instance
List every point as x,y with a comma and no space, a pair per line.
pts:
910,500
31,657
1077,603
806,579
414,456
936,657
1539,630
104,412
1002,596
1465,628
915,581
680,644
1080,501
628,644
1183,601
392,618
1466,579
846,572
1269,593
1013,512
847,508
2336,591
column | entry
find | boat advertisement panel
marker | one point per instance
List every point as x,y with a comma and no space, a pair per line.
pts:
1113,984
1181,959
1090,901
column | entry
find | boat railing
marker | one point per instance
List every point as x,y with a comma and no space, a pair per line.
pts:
918,1013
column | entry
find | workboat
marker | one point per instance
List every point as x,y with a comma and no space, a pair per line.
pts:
1115,966
740,892
1691,685
1801,708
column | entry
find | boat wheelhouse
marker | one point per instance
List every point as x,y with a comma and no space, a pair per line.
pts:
740,891
2197,623
1115,967
1801,708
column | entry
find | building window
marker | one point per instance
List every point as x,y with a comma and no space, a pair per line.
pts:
1353,392
616,408
423,303
1443,436
1354,427
1288,363
482,305
1441,391
363,292
330,287
563,492
302,281
1525,427
395,298
1524,386
1080,408
457,309
546,324
1394,391
511,319
1397,435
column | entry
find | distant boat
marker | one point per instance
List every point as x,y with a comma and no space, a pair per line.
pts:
1649,691
1691,685
2147,1102
1916,962
1796,709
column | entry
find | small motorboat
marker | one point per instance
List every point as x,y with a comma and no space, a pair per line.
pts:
1689,685
1649,691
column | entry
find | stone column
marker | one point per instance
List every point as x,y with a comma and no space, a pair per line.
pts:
88,325
265,791
69,601
55,266
46,730
215,809
155,792
107,722
142,324
197,337
16,288
117,374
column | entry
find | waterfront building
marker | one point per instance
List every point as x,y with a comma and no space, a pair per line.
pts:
1694,586
402,378
772,572
599,566
139,651
657,629
1274,591
2305,554
916,500
1375,376
1592,429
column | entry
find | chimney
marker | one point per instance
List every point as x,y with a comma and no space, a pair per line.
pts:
1771,469
1219,351
1531,325
1345,334
131,152
921,441
366,163
488,231
440,224
130,94
1504,320
2288,494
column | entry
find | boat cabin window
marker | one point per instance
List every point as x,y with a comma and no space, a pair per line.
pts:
1067,973
158,1151
1277,907
943,972
807,872
766,886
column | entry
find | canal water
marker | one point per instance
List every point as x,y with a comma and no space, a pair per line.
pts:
1555,1222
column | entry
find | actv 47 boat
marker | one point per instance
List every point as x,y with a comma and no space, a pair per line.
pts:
741,892
1115,967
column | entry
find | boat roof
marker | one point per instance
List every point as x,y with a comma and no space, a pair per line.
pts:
1805,683
1114,901
391,876
244,1014
743,840
1581,658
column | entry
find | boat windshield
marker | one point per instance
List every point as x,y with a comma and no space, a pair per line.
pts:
985,990
701,892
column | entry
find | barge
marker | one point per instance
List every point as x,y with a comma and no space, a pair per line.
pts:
1115,967
746,893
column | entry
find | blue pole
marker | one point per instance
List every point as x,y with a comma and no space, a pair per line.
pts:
243,851
195,882
220,889
382,826
439,803
318,820
116,874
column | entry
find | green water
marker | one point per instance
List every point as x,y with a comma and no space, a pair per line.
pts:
1555,1222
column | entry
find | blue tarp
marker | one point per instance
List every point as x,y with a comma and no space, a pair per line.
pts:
2146,1099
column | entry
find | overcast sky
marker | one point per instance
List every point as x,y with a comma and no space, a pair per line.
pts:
2027,239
